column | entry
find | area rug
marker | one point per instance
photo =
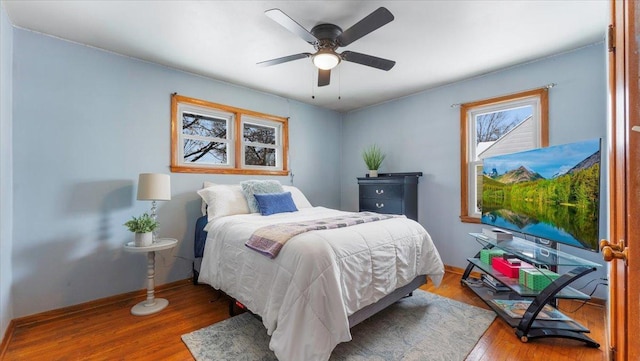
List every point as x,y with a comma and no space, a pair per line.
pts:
424,326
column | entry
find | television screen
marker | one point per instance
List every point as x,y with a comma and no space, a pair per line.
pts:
551,193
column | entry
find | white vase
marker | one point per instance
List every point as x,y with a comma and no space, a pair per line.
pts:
373,172
143,239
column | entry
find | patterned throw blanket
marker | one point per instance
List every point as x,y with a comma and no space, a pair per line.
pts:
269,240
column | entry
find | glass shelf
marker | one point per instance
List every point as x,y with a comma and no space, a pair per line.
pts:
514,285
488,295
534,253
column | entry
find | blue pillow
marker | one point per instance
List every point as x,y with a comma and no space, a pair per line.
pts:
272,203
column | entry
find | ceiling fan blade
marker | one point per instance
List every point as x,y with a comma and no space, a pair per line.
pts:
284,59
368,60
324,76
371,22
283,19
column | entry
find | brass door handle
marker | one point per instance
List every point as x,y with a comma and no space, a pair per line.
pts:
616,247
614,251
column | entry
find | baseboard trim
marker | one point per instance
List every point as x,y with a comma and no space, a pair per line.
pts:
459,271
8,334
65,311
456,270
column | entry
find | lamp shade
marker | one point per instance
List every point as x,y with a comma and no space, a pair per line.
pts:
154,187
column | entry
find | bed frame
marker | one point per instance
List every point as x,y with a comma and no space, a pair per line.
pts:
386,301
359,316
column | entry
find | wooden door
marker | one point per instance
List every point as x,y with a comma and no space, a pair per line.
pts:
624,155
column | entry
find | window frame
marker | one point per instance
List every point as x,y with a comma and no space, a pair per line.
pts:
261,123
229,119
467,138
235,137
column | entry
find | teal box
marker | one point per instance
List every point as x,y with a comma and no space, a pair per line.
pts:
486,255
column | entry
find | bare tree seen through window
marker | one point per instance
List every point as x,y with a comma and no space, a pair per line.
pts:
492,126
200,133
259,153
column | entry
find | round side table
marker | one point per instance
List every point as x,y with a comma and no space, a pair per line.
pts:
151,304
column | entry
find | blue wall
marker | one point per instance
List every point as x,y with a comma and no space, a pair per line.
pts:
86,123
6,176
421,133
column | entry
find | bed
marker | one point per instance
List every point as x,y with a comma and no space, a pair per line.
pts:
322,282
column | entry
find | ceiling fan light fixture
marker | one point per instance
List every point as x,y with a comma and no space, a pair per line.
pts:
326,59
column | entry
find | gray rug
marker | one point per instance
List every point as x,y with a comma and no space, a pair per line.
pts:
422,327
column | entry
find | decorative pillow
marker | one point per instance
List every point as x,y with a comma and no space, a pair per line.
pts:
272,203
251,187
224,200
298,197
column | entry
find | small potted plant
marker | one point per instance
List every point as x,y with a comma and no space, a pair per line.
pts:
143,228
373,158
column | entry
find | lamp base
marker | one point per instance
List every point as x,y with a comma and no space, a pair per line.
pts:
154,217
143,309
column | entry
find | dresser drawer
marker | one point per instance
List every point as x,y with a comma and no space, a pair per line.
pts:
388,206
381,191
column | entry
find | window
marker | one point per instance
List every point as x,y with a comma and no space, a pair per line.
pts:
259,143
214,138
497,126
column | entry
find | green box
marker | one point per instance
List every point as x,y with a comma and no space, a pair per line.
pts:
522,277
486,255
536,278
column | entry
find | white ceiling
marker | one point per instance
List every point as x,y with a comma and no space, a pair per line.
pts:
432,42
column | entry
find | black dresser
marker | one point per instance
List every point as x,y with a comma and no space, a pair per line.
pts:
391,193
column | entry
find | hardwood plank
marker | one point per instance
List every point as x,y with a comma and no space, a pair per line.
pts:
109,331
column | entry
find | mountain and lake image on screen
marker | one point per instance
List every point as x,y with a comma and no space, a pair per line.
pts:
551,193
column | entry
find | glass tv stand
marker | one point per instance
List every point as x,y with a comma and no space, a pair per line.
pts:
534,320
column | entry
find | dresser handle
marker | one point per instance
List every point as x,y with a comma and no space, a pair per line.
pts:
379,191
379,205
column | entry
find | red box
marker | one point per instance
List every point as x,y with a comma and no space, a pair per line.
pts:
503,266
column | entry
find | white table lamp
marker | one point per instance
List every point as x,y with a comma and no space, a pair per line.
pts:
154,187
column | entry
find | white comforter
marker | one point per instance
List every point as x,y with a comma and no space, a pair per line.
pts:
306,293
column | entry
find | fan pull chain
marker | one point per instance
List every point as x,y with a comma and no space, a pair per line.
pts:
313,96
339,83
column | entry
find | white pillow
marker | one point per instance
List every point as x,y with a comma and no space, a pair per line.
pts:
298,197
203,206
224,200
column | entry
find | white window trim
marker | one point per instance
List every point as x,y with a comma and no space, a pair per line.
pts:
473,190
278,146
229,118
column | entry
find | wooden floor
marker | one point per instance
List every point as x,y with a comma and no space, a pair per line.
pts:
110,332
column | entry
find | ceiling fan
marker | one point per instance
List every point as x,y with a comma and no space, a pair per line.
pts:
326,38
